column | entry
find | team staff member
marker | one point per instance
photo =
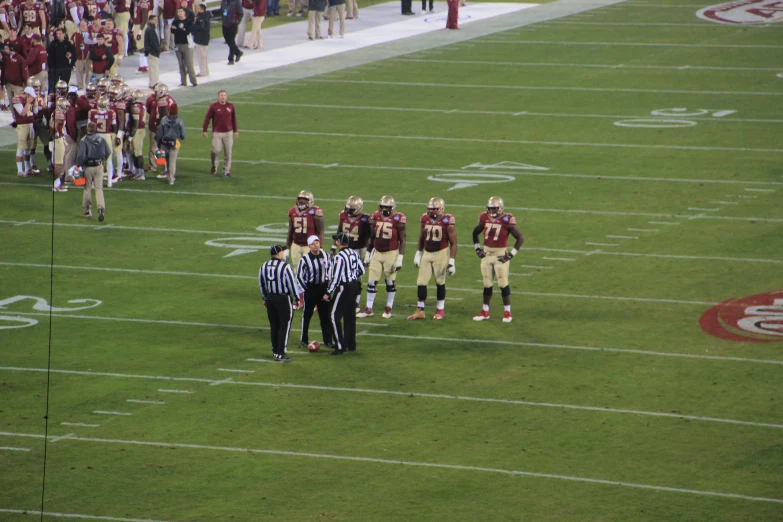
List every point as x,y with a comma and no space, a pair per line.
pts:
170,133
347,269
438,240
279,291
223,117
152,50
93,152
312,273
304,220
61,55
496,226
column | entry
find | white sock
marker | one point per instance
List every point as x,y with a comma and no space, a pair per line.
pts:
440,305
485,308
506,308
143,61
420,304
390,299
371,299
358,300
110,167
120,162
20,167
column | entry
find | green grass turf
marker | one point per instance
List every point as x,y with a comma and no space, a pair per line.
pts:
597,327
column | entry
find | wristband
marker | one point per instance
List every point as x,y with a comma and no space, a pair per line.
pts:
514,252
478,247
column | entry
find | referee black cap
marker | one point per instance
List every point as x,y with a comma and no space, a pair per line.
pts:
276,249
341,237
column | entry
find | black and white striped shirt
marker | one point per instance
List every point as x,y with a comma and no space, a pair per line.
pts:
346,268
276,277
313,269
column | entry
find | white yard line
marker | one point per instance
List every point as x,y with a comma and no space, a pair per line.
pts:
36,512
622,237
397,463
643,230
537,267
696,209
142,401
11,448
759,190
559,258
163,390
704,25
630,44
663,223
440,396
261,361
101,412
519,275
81,424
62,437
601,244
235,371
725,202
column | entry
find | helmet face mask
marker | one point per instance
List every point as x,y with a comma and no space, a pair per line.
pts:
61,87
353,206
435,208
62,105
386,206
139,96
103,103
495,207
304,200
92,90
161,90
35,83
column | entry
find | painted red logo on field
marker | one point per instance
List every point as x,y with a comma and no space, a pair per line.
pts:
744,12
755,319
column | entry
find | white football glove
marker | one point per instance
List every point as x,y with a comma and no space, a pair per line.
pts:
417,259
398,263
285,254
452,269
367,257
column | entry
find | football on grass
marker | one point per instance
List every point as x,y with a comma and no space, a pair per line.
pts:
313,346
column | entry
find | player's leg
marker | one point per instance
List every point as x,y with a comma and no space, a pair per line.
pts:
425,273
361,252
21,145
271,314
375,271
391,286
228,145
501,271
440,266
486,278
324,314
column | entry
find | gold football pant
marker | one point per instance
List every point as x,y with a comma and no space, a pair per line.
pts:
433,264
490,266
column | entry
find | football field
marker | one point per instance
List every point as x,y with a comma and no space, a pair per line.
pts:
638,147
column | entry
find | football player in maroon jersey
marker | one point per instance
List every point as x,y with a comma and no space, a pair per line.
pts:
384,250
356,225
435,256
304,220
496,225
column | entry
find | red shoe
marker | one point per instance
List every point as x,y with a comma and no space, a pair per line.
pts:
387,313
439,315
482,316
213,170
418,314
507,317
367,312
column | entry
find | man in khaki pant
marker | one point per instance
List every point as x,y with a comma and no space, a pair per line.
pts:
93,152
223,117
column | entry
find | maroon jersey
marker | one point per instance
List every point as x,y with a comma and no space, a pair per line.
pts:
497,230
82,47
435,232
122,6
112,42
36,59
70,123
358,229
70,5
169,103
20,117
152,109
84,105
91,10
139,113
385,231
141,12
58,124
30,14
304,223
105,121
169,9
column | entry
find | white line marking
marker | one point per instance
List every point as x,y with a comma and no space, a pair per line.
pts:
74,515
443,397
10,448
590,65
559,259
261,360
705,25
622,237
142,401
631,44
223,381
62,437
704,209
725,202
705,258
178,391
288,453
643,230
663,223
601,244
101,412
518,274
235,371
759,190
82,424
538,267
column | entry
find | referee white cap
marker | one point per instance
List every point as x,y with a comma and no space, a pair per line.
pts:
312,239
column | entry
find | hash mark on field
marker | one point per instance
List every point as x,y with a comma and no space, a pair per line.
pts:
601,244
663,223
559,259
643,230
331,165
623,237
538,267
725,202
697,209
25,223
104,226
101,412
82,424
9,448
518,274
161,390
235,371
141,401
224,381
520,113
61,437
759,190
261,360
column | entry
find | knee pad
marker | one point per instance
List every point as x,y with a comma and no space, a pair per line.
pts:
441,292
488,292
505,291
391,286
372,286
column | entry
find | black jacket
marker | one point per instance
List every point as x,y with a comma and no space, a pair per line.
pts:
200,29
57,51
151,41
181,29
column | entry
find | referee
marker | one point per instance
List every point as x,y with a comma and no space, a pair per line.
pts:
279,290
347,269
312,273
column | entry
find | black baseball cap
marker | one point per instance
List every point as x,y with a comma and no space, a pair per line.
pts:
276,249
341,237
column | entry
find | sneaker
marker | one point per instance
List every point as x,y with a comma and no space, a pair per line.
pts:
88,213
303,343
61,188
138,177
239,57
162,176
116,179
507,316
22,174
387,313
34,171
286,358
337,352
171,182
151,168
213,170
439,314
367,312
227,175
230,63
281,358
418,314
357,310
482,316
291,14
100,215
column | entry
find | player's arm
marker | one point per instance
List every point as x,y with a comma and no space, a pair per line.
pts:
290,238
419,248
514,231
319,227
207,120
451,231
400,246
479,250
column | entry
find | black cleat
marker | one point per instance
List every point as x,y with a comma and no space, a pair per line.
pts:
337,352
100,214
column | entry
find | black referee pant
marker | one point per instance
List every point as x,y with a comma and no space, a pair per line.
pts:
281,314
314,295
344,309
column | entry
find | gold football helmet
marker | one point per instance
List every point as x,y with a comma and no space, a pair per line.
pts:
353,206
436,207
92,89
139,96
116,80
307,196
35,83
103,103
495,207
161,90
103,85
113,92
387,206
62,105
61,87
